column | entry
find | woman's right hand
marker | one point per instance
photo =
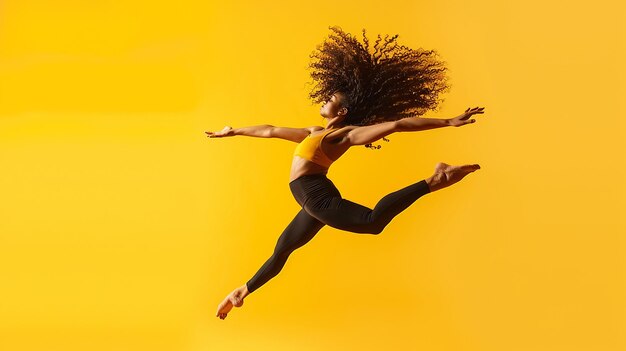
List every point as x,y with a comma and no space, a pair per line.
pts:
226,132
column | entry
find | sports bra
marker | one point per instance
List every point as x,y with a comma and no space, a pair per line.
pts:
311,149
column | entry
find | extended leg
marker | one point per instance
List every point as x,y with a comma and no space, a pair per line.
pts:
299,232
346,215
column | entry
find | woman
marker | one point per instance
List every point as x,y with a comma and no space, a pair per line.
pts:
365,98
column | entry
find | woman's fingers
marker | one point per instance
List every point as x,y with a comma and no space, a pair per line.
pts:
214,134
477,110
224,132
473,110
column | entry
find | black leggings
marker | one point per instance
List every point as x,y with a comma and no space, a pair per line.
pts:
322,205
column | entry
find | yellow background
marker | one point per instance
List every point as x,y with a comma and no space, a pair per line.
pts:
122,226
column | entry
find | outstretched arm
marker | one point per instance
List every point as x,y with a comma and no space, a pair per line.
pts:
369,134
266,131
412,124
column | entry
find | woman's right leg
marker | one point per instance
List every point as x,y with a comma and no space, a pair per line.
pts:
349,216
299,232
346,215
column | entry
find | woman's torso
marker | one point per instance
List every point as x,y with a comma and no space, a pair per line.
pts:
333,145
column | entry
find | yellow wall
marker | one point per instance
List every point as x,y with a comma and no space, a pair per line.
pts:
122,226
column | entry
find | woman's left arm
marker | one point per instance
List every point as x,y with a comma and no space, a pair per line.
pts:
413,124
369,134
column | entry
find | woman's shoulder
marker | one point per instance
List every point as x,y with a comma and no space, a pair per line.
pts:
334,134
343,130
314,129
339,133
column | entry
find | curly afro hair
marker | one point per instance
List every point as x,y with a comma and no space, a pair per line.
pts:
389,84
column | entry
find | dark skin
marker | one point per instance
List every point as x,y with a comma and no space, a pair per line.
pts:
336,143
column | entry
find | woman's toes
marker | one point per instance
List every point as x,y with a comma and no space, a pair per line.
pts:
470,167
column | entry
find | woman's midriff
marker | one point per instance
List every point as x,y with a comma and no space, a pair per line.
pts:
301,166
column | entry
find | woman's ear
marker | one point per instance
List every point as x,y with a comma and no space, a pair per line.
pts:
342,111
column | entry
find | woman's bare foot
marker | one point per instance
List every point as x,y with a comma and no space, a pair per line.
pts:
235,299
446,175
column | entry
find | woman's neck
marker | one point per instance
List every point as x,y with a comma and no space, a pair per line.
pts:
332,125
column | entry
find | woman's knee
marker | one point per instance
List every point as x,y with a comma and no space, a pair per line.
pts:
377,224
364,224
377,229
370,228
281,255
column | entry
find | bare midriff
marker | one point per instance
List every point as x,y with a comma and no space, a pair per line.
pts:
301,166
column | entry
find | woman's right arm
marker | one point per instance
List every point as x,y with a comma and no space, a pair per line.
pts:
266,131
260,131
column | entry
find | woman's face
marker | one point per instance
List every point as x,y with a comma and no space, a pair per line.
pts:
332,106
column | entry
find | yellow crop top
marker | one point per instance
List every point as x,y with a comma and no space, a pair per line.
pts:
311,149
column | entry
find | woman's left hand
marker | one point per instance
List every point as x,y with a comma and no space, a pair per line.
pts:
464,118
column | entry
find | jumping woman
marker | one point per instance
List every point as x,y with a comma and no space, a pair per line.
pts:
365,97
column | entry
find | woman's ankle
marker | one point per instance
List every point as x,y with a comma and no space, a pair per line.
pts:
434,181
244,291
